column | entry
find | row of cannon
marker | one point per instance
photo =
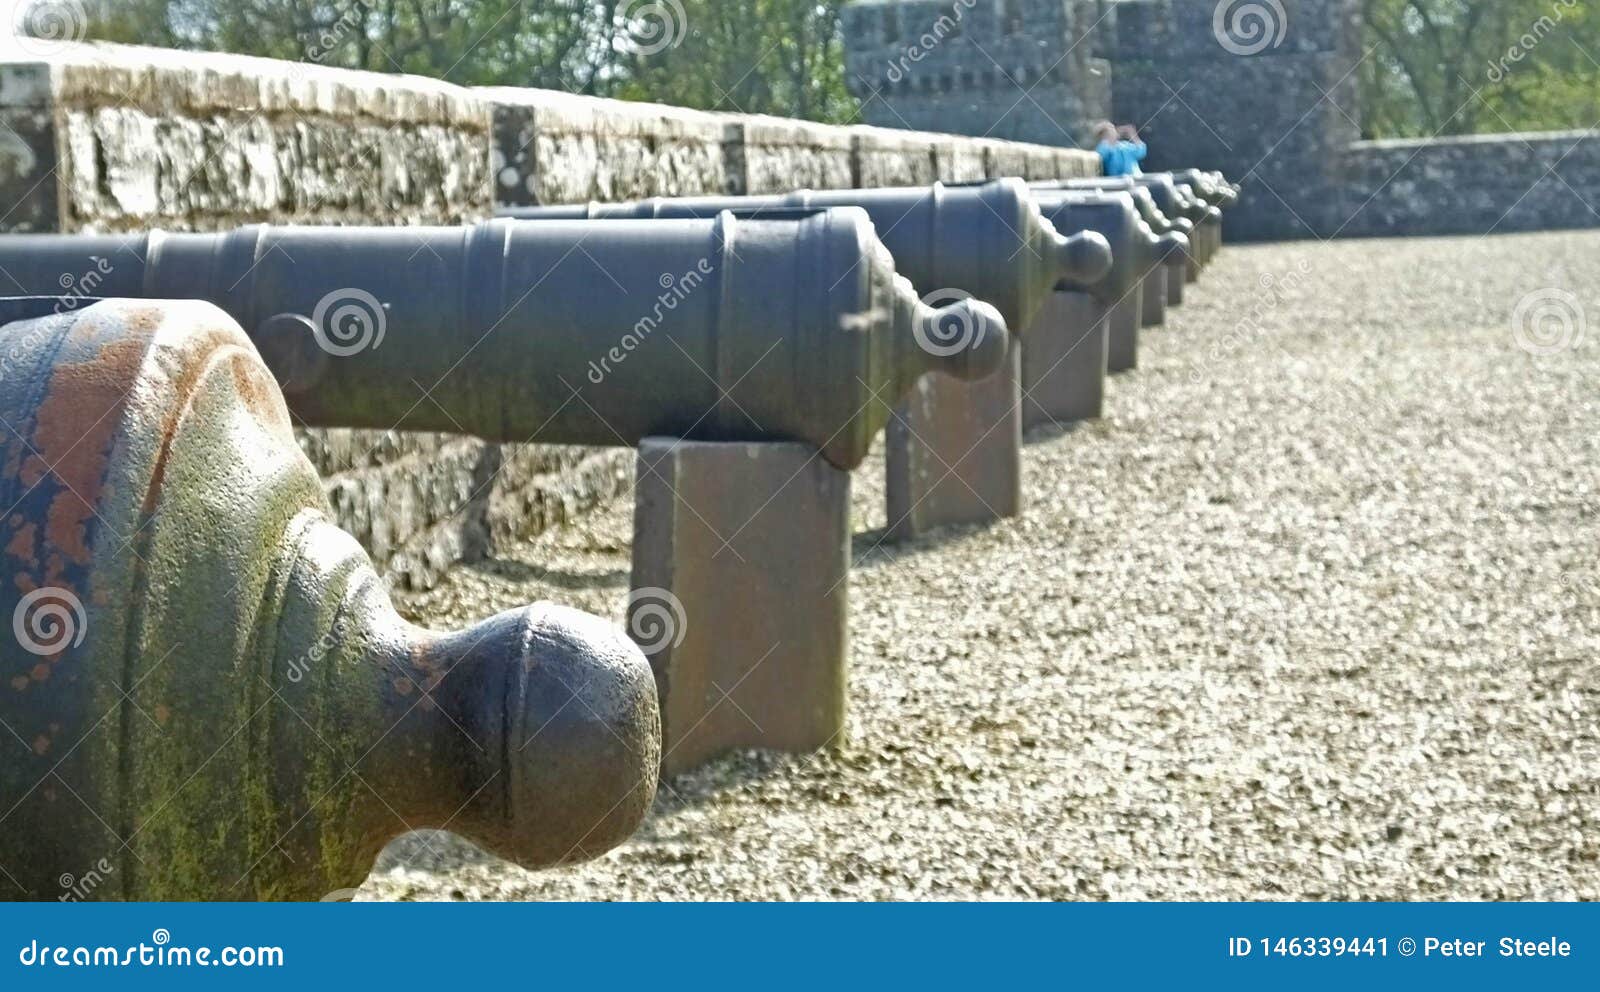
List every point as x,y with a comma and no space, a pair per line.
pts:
209,693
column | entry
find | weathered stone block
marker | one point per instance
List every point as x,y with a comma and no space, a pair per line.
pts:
741,557
1122,339
953,453
552,147
1064,357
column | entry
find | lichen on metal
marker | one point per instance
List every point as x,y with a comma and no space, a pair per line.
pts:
220,701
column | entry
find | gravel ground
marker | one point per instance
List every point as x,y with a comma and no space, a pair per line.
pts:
1313,613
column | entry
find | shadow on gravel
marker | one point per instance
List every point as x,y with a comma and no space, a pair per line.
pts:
874,548
1051,432
521,571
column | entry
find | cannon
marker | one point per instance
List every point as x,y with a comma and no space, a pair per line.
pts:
1175,198
213,695
986,239
1167,287
1194,217
1137,250
784,328
1209,186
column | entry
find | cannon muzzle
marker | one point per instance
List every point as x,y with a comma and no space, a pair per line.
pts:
987,239
217,697
720,328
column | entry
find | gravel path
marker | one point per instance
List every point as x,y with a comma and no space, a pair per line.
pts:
1312,613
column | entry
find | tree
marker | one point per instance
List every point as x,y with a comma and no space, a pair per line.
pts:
1466,66
773,56
757,56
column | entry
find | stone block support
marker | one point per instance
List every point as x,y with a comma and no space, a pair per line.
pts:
1155,295
1122,338
741,556
954,452
1064,361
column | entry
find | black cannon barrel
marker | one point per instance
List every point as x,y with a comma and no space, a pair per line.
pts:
216,697
719,328
1159,220
1135,248
1209,186
987,239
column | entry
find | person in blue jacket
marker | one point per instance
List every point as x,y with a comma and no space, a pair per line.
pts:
1120,149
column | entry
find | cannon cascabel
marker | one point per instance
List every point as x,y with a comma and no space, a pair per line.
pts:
1134,247
794,328
217,698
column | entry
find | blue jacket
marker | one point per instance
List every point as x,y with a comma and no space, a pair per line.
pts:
1121,158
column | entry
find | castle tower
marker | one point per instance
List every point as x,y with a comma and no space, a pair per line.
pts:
1023,70
1264,90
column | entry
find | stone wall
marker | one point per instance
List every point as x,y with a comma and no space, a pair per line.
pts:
1472,185
114,138
1012,69
1266,92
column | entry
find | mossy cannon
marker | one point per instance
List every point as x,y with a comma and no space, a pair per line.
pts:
213,696
986,239
792,328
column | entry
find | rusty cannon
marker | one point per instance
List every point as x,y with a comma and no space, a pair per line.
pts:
785,328
210,695
751,361
983,239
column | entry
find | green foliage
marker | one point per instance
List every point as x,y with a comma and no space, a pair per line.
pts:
768,56
1468,66
757,56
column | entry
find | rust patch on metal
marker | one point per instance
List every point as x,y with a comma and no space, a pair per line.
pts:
22,545
72,436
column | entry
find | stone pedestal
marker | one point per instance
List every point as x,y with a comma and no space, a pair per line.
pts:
1064,361
1155,296
954,451
1122,338
741,557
